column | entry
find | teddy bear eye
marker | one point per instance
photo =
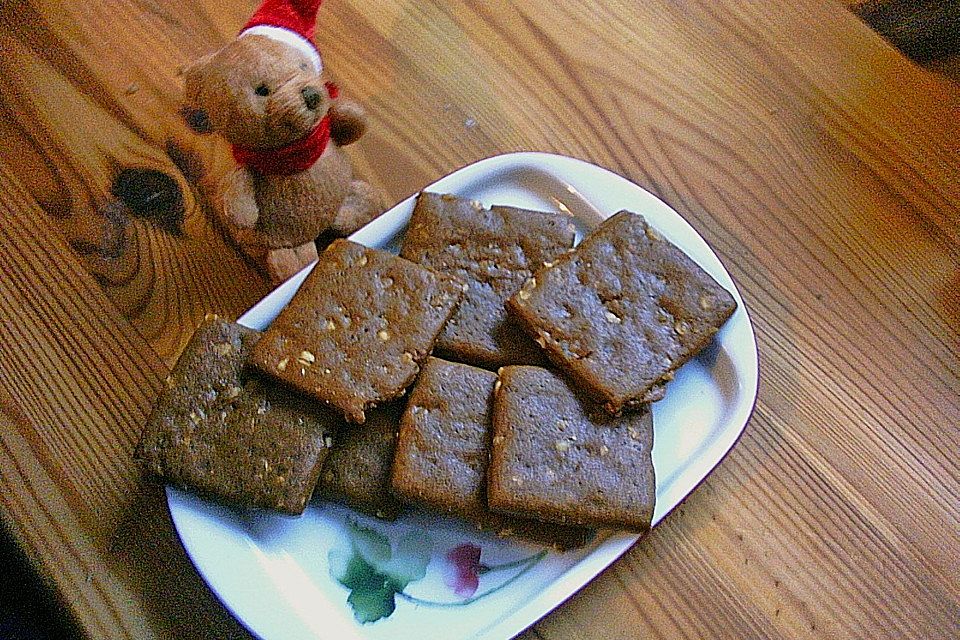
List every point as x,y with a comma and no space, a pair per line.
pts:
262,90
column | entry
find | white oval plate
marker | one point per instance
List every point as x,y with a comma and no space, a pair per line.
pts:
272,572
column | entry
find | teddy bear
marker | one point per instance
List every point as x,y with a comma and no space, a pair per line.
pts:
266,93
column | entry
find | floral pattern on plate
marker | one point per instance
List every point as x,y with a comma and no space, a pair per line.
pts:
377,572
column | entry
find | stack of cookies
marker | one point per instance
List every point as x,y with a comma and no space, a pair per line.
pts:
535,422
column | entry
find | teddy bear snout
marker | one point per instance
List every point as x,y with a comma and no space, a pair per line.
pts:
311,97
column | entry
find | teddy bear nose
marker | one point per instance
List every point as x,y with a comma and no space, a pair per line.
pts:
311,97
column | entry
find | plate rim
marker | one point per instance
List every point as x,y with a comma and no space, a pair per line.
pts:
617,543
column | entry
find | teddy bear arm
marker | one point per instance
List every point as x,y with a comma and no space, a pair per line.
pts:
238,198
363,203
348,121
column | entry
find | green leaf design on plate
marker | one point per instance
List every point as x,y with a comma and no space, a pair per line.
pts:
370,605
375,573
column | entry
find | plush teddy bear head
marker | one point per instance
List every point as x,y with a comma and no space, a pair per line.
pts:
257,92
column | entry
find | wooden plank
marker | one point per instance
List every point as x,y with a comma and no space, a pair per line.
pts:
78,381
79,114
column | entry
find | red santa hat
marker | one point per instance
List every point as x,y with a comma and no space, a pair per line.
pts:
291,22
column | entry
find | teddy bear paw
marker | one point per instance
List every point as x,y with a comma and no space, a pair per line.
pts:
287,261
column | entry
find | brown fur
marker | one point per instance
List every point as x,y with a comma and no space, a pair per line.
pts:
277,218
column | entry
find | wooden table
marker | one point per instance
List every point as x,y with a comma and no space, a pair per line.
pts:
820,164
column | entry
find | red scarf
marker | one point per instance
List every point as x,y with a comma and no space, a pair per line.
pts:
293,158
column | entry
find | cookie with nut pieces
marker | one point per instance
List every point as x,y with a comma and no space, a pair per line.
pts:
622,311
357,330
443,450
559,458
494,251
357,470
221,432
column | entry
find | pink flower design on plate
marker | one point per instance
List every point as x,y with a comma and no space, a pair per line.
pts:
465,577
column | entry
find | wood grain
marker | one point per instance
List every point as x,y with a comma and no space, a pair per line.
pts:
78,382
78,114
819,163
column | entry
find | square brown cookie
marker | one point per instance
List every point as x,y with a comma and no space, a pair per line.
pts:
357,470
622,311
443,449
234,436
356,332
494,251
558,458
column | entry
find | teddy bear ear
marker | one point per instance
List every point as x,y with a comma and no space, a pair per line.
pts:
194,75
